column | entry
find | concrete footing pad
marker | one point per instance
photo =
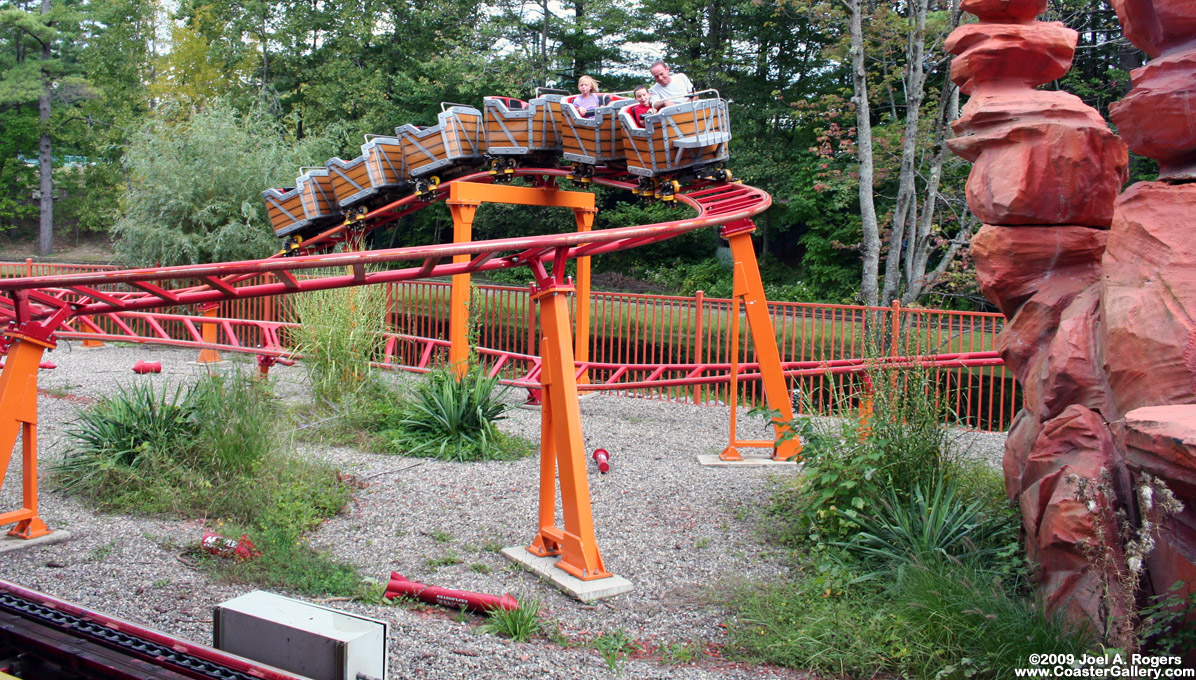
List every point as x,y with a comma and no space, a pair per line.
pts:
712,460
586,591
8,543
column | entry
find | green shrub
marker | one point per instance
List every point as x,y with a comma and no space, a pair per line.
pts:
341,332
851,461
452,417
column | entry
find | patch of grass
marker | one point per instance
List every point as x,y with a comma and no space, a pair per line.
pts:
615,648
519,624
479,568
440,536
961,613
493,546
680,653
447,560
208,450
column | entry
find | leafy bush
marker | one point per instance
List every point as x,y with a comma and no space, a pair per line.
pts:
195,183
341,332
905,443
452,417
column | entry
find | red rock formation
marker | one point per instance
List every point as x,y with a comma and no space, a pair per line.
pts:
1101,328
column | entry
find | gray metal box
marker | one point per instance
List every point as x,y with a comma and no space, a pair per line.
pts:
319,642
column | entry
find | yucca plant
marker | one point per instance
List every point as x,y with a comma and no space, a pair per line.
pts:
452,417
929,528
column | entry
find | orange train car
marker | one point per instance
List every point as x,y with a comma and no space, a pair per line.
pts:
683,138
516,129
455,142
309,205
590,141
375,177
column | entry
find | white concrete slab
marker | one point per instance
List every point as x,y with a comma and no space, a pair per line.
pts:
8,543
585,591
712,460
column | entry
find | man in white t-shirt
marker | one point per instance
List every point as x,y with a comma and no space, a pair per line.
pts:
670,88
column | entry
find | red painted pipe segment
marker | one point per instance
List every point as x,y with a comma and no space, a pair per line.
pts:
603,459
142,367
446,597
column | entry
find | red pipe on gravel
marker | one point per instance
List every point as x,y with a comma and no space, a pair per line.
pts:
479,603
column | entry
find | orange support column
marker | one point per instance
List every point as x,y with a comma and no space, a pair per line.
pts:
463,211
210,333
18,416
776,392
562,430
581,342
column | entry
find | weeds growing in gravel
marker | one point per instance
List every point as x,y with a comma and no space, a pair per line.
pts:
615,648
519,624
210,450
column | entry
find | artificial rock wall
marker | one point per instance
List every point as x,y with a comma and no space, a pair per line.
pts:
1099,290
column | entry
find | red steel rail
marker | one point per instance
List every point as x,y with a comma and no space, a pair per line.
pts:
42,298
267,338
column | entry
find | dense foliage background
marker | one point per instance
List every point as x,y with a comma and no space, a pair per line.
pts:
167,120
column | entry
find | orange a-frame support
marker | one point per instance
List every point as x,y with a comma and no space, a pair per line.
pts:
18,409
749,289
561,445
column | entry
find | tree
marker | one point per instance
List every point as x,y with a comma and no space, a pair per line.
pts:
196,182
48,78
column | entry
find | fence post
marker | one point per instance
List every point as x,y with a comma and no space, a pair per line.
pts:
699,323
29,266
895,333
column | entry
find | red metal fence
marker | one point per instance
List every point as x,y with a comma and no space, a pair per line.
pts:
652,329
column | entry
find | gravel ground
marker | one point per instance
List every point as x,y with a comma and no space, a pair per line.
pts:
678,531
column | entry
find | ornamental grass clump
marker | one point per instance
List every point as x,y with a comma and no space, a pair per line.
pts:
341,331
181,449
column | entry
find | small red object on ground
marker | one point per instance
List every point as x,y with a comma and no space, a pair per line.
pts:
142,367
446,597
222,546
603,459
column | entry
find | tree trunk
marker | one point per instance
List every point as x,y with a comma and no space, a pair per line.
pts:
45,241
906,212
859,81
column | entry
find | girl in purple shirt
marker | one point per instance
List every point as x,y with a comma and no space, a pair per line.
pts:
587,97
